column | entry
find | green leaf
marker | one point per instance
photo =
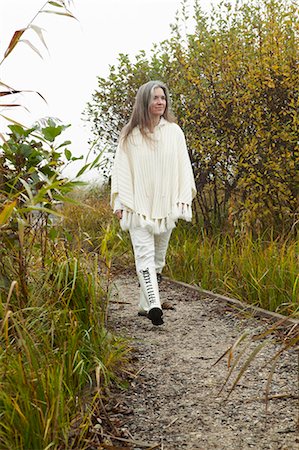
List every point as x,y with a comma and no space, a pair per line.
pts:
82,170
96,161
20,131
77,158
55,4
68,14
51,133
64,144
68,154
68,236
53,233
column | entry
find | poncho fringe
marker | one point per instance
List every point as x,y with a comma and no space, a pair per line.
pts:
130,219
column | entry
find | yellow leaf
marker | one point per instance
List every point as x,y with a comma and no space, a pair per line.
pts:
7,212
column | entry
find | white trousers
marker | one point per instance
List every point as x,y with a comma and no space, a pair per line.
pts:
149,249
150,253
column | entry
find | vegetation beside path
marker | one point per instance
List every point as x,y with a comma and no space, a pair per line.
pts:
263,271
59,242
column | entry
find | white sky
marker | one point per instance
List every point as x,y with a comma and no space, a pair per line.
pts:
79,51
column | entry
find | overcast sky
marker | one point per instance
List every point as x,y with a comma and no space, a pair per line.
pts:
79,51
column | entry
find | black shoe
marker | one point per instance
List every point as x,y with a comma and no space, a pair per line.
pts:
159,278
155,315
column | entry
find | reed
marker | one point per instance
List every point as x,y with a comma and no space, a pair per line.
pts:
92,226
51,351
57,357
263,271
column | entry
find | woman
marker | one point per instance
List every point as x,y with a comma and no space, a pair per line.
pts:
152,187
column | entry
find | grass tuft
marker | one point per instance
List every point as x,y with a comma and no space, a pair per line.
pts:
260,271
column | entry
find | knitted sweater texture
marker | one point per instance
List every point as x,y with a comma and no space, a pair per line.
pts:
153,179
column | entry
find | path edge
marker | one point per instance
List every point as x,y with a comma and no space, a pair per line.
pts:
256,310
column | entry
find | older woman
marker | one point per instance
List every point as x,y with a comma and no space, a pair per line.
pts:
152,187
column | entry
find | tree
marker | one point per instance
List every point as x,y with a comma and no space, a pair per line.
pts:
113,100
235,89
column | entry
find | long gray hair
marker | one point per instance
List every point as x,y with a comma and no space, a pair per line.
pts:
140,115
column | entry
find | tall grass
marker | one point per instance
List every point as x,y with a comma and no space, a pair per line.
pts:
94,228
260,271
56,349
263,271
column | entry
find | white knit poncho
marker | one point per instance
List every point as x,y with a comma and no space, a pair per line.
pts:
152,179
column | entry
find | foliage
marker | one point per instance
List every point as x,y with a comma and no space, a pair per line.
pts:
261,271
31,186
234,82
247,348
50,351
90,222
244,108
58,7
112,102
53,300
57,357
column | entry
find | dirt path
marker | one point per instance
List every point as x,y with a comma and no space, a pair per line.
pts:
174,403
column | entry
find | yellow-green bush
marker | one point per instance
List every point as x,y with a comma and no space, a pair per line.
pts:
234,80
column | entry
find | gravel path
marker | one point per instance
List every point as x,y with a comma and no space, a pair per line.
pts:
173,402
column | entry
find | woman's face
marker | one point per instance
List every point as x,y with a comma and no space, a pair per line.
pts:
157,105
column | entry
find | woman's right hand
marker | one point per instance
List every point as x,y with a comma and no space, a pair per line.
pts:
119,213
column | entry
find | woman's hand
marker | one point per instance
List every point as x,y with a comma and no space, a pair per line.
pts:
119,213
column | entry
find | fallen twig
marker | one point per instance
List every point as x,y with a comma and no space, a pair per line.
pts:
272,397
172,422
